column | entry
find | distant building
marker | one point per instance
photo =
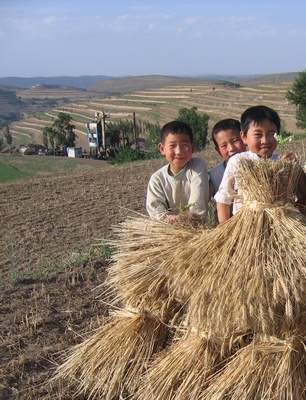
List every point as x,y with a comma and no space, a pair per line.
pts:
74,152
28,149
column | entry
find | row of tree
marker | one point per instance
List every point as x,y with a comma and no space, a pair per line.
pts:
151,131
61,133
297,96
8,137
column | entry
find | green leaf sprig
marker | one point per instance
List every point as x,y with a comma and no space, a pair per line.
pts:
183,208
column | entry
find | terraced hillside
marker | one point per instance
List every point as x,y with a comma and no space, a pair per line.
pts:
161,104
53,92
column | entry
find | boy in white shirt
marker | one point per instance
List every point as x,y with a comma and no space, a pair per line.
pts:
260,126
183,181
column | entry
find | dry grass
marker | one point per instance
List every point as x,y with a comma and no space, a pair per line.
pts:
100,370
237,325
268,368
181,371
262,257
140,272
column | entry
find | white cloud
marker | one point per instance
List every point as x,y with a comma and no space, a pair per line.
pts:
299,33
69,28
193,20
49,20
151,26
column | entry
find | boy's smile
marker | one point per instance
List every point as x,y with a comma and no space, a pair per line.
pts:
260,138
229,143
178,150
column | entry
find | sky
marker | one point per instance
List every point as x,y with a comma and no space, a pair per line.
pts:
46,38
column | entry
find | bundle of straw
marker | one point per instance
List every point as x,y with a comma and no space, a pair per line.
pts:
246,280
181,371
253,275
268,368
207,313
138,272
111,361
149,255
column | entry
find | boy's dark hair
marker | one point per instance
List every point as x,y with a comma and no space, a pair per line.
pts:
175,127
224,125
257,115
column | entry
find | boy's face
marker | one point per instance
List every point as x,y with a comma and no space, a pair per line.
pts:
261,139
229,143
178,150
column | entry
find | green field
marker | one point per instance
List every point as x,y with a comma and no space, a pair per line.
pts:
9,173
16,166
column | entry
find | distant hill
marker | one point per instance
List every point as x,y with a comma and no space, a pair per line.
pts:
21,97
80,82
103,83
142,82
109,84
266,79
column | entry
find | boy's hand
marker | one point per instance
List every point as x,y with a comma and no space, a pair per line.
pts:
173,219
288,157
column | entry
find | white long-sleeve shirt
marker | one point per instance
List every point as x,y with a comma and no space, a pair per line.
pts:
228,186
165,192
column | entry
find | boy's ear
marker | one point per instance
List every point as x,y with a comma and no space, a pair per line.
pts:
161,148
193,147
243,137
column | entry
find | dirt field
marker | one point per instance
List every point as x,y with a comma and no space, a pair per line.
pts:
47,224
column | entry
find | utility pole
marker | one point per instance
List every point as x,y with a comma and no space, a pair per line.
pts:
103,131
135,130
